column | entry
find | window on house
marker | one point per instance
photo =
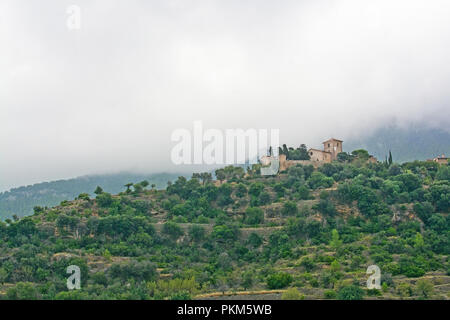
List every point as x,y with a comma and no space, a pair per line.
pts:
328,145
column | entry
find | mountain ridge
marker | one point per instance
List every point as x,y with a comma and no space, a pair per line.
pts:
21,200
406,144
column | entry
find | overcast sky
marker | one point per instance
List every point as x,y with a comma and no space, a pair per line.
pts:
107,97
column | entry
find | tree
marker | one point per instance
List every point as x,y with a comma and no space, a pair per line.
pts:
289,208
132,269
229,173
418,241
107,255
329,169
224,261
254,240
254,216
326,207
83,196
307,263
404,289
424,210
279,280
138,188
247,279
350,293
279,189
38,210
319,180
300,153
443,173
335,242
241,190
144,183
394,170
335,266
330,294
3,275
206,177
437,223
104,200
223,233
66,221
100,278
410,181
343,157
286,151
222,284
390,158
256,188
22,291
264,198
197,233
98,190
424,288
220,174
303,193
303,151
292,294
128,186
361,154
173,230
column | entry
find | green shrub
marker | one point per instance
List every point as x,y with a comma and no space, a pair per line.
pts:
292,294
330,294
254,216
350,293
279,280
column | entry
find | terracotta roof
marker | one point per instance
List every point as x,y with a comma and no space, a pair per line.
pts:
332,139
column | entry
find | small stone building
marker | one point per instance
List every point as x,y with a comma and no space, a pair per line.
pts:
442,159
331,148
319,155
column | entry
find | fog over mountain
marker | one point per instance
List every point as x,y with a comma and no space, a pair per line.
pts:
106,97
414,142
21,201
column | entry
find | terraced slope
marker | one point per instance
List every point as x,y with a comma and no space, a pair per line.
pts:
304,234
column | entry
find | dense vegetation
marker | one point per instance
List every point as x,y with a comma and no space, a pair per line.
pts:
20,201
305,233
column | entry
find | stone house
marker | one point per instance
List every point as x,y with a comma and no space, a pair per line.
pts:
442,159
331,148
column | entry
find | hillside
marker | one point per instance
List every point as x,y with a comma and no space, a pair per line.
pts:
20,201
305,233
406,144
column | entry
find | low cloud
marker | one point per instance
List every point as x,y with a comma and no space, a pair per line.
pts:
107,97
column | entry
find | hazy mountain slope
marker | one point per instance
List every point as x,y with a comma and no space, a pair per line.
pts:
406,144
21,200
308,233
